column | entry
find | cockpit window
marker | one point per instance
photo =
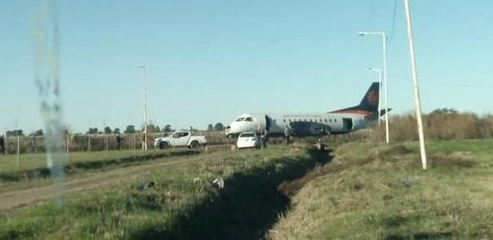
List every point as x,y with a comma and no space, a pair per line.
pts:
248,119
239,119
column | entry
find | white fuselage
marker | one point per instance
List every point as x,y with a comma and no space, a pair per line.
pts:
335,123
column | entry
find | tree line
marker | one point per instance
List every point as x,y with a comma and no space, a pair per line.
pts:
151,128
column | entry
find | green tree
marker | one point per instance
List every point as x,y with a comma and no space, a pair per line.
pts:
130,129
107,130
210,127
218,127
37,133
151,128
92,131
15,133
167,128
116,130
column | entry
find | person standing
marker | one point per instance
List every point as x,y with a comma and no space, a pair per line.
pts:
321,145
143,141
34,146
118,141
286,134
265,139
2,143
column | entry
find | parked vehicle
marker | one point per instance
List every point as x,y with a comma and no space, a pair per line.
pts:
248,140
180,139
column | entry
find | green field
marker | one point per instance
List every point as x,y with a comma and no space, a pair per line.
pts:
9,163
181,202
373,191
31,170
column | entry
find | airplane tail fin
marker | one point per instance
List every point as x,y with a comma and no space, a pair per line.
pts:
369,103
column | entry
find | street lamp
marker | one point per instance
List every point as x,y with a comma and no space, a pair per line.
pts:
144,74
379,71
384,48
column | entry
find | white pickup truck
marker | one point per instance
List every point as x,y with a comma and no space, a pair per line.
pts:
180,139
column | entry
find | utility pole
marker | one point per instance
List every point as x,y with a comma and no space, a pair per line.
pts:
417,99
144,74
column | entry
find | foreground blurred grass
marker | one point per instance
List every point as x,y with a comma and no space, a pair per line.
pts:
176,202
374,191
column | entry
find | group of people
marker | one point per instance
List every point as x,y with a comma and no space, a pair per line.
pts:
264,139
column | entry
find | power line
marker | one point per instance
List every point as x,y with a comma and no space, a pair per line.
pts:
440,84
443,84
393,22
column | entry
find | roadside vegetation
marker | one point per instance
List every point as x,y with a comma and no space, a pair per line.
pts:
179,202
440,124
376,191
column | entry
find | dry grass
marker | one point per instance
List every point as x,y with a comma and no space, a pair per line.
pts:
373,191
438,125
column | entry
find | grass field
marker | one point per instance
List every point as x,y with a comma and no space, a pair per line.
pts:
9,163
176,203
32,169
373,191
365,190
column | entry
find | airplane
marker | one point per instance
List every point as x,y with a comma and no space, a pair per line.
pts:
301,125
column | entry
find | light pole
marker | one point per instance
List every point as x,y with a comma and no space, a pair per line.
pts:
144,74
379,71
384,48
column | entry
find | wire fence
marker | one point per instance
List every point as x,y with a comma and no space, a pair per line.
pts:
96,142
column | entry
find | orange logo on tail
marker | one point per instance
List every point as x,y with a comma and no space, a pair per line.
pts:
372,98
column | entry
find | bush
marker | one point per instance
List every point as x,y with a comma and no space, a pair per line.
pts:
441,124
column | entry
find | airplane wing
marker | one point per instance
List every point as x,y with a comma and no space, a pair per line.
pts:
374,115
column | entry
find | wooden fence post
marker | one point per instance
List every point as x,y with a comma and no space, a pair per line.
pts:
68,147
89,142
134,142
18,152
107,143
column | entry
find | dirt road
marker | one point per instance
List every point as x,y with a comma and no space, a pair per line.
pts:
18,198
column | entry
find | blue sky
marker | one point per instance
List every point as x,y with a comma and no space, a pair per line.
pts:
209,61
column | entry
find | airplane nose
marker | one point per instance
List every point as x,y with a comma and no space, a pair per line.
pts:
233,128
